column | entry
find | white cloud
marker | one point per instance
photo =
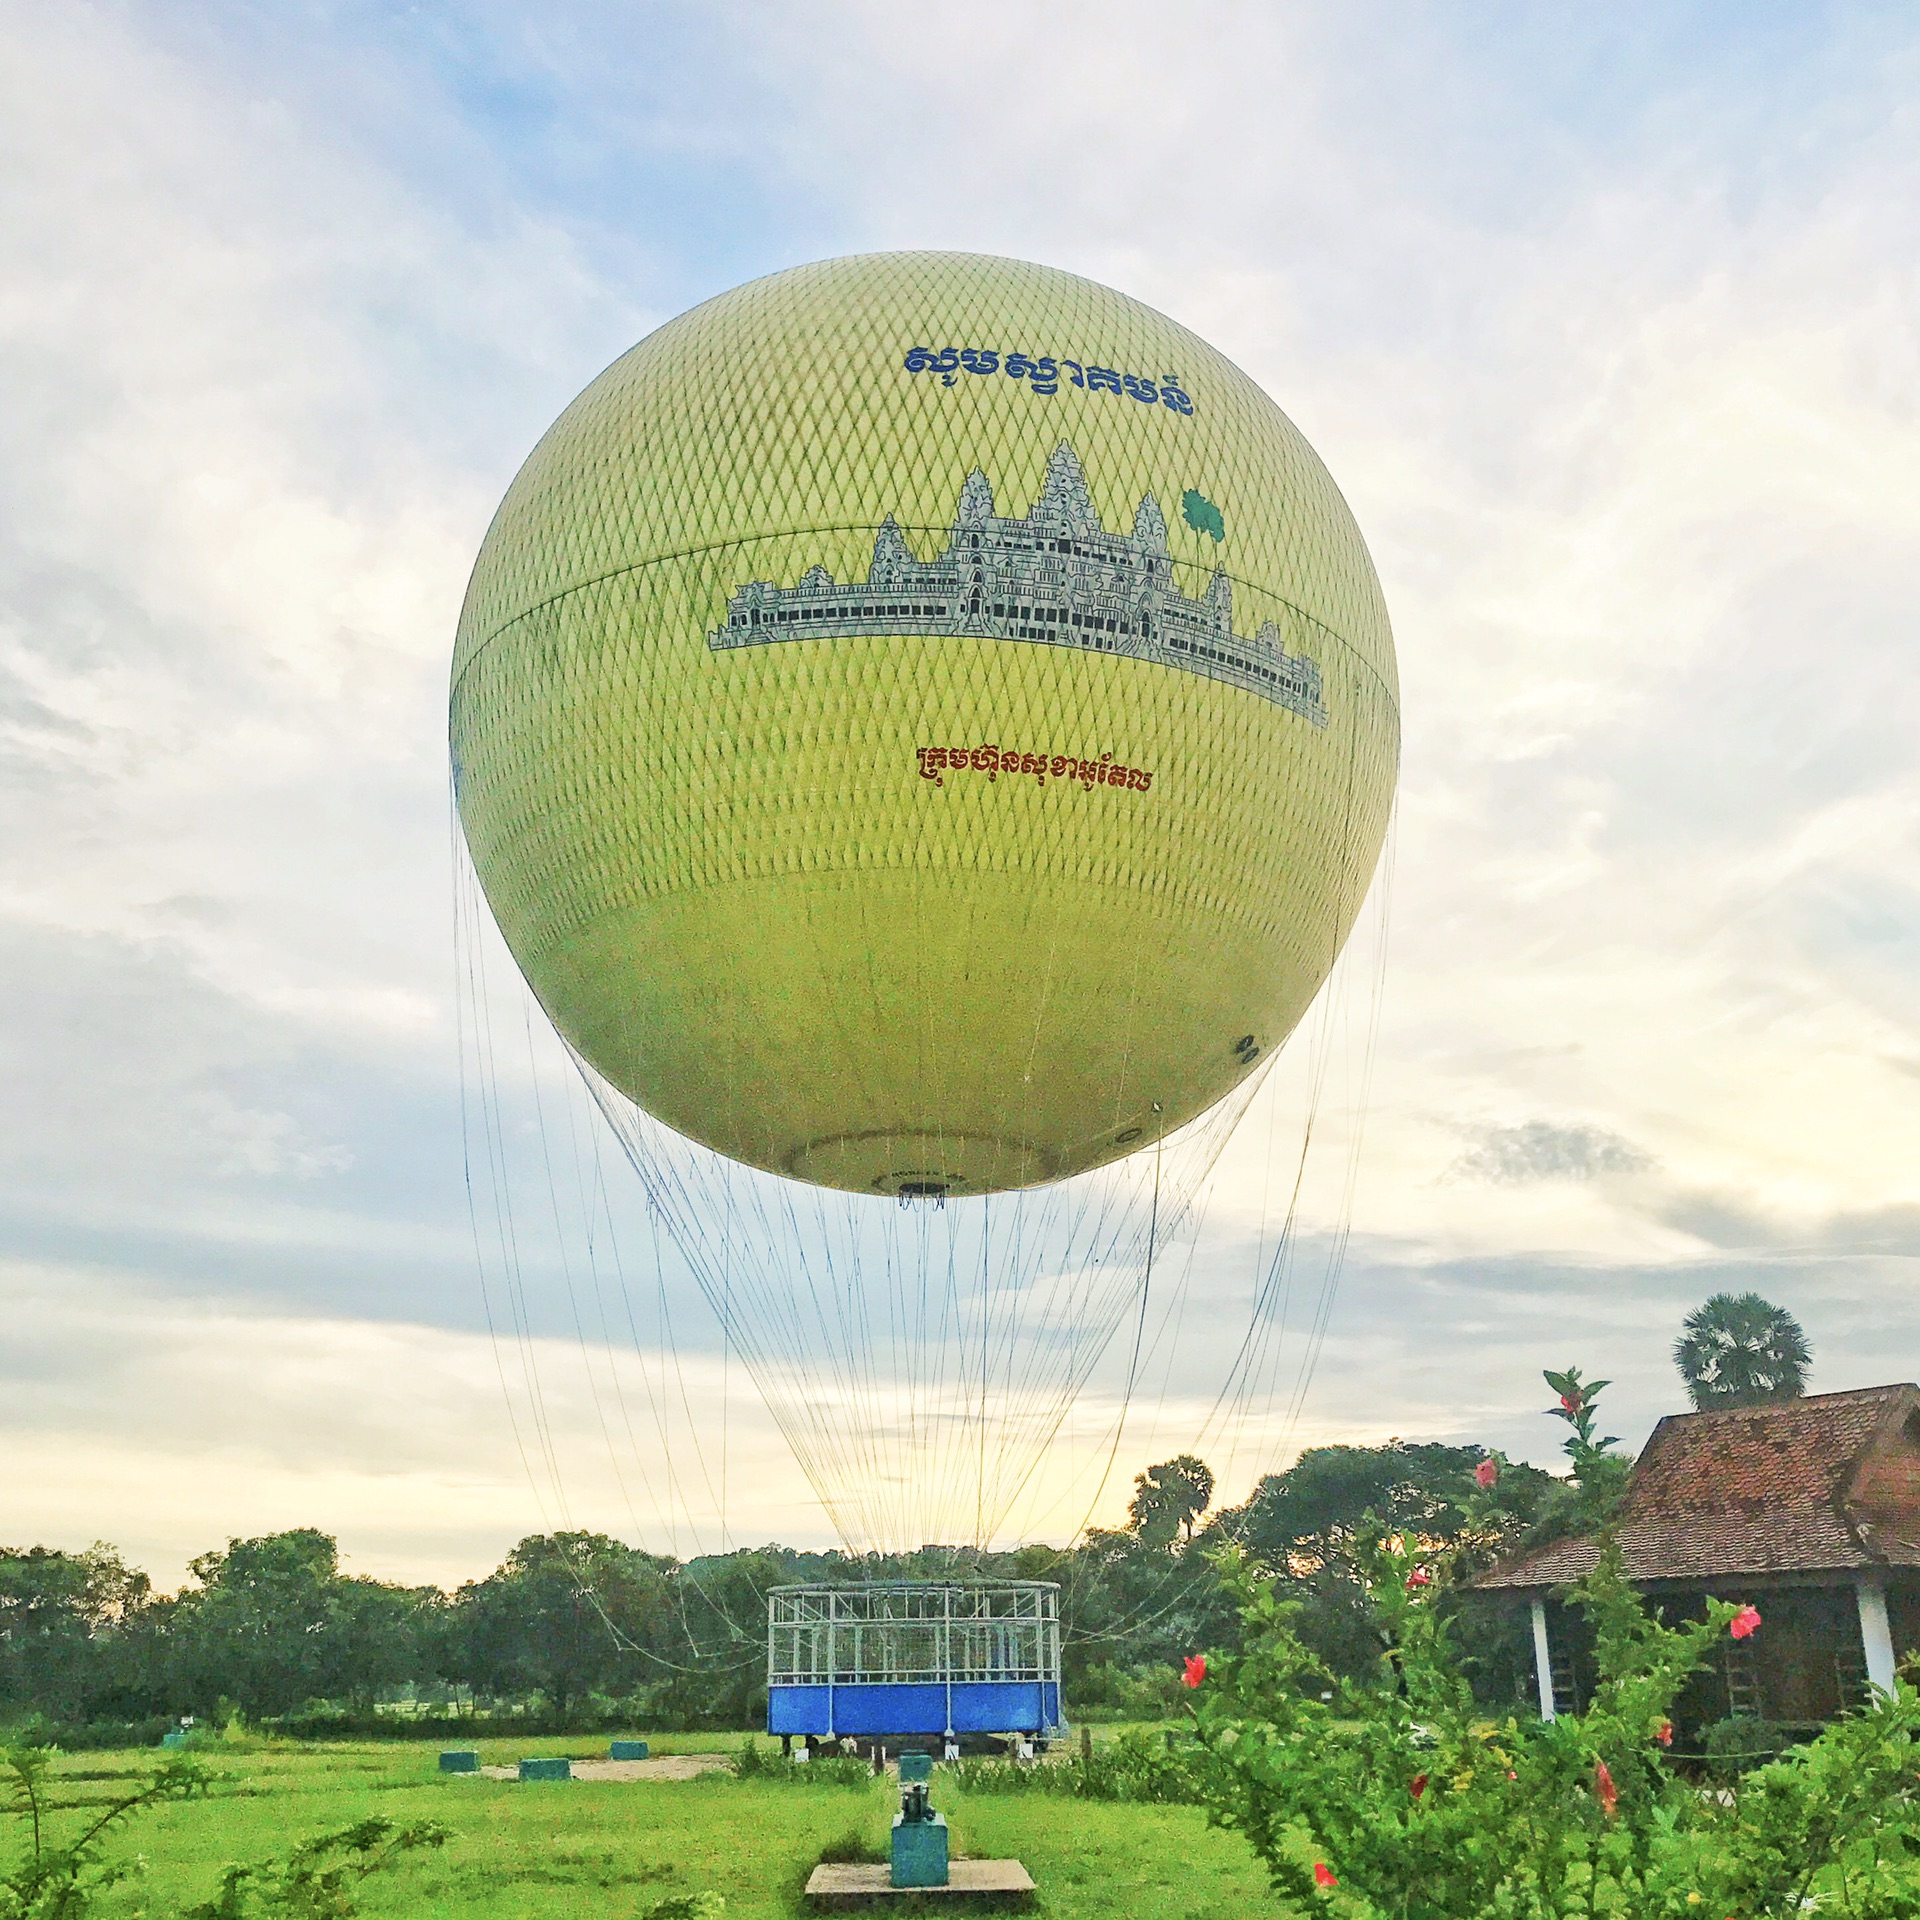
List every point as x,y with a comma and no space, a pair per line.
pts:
237,525
173,1428
1540,1150
1610,338
258,1141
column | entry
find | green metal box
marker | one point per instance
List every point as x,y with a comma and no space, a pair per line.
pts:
920,1852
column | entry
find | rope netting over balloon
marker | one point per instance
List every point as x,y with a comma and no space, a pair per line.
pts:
964,1370
882,788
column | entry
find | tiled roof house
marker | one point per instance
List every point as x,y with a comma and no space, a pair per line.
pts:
1808,1508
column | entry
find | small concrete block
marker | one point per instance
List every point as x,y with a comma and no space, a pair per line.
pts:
459,1760
847,1888
544,1769
627,1750
920,1852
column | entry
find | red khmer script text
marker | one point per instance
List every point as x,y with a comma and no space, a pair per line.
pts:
937,762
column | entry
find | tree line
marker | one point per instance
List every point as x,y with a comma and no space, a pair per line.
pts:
578,1629
575,1629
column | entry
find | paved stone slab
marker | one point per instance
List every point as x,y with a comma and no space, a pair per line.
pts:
664,1766
859,1885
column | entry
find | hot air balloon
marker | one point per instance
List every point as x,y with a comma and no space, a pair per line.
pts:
924,725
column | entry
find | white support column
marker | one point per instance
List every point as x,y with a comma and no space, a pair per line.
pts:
1876,1633
1543,1656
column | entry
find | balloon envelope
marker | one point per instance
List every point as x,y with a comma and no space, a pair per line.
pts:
924,724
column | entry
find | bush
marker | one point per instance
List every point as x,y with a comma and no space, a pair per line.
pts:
322,1720
55,1882
88,1736
1138,1765
853,1848
1402,1791
1738,1746
752,1761
316,1880
1107,1692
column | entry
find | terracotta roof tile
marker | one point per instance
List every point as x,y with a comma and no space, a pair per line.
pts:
1753,1490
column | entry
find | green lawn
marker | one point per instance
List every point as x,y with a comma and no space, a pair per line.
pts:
519,1852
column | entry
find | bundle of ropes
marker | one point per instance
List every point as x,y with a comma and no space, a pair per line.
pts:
922,1359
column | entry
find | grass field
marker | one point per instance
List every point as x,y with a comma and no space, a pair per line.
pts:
618,1850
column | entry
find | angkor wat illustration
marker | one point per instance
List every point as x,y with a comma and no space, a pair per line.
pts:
1057,578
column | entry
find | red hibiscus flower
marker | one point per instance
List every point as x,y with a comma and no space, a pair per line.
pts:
1486,1473
1744,1622
1417,1785
1665,1735
1604,1789
1196,1669
1419,1578
1323,1875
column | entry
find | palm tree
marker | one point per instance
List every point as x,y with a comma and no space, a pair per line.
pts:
1169,1498
1739,1350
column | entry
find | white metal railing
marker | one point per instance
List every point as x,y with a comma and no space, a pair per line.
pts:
913,1633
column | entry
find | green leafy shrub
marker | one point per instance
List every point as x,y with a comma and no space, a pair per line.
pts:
689,1906
1586,1499
1106,1691
853,1848
1137,1765
87,1736
1395,1787
752,1761
1737,1746
52,1881
316,1881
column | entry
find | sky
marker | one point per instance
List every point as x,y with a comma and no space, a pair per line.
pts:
1604,323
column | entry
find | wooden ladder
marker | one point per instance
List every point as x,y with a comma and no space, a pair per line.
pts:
1560,1674
1743,1684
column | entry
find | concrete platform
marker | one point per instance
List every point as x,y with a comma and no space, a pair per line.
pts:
663,1766
843,1888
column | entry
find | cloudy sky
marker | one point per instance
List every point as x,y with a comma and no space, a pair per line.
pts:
1607,328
